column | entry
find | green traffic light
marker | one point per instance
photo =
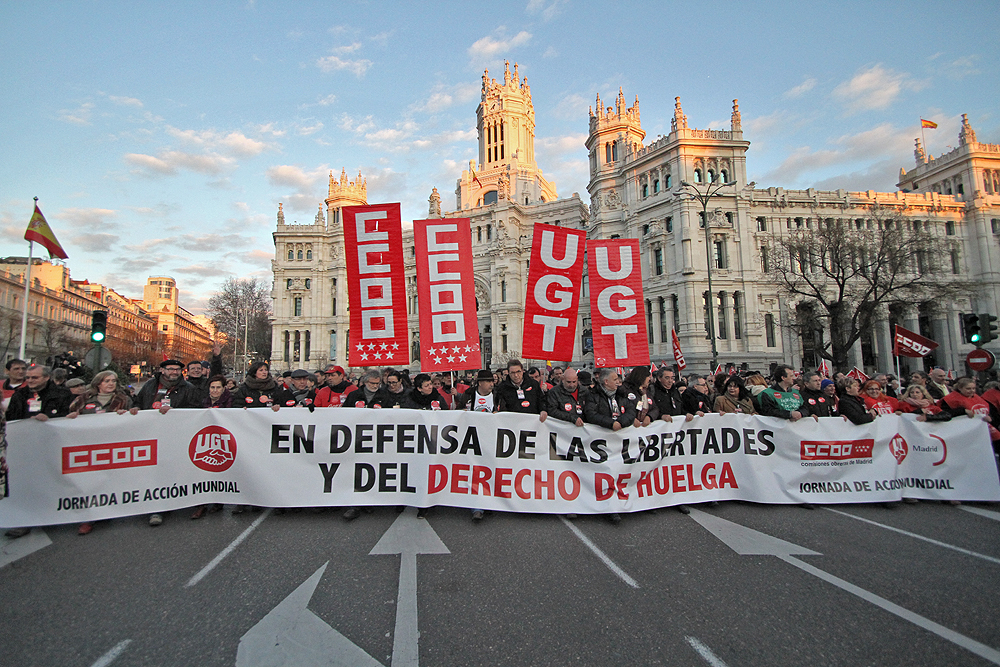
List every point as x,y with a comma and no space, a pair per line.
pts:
975,338
97,336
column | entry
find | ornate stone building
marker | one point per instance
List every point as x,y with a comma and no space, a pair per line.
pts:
635,192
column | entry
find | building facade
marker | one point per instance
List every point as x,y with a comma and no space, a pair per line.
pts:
635,192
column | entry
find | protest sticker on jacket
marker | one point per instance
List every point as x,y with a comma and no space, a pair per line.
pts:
553,297
376,286
108,465
446,292
617,311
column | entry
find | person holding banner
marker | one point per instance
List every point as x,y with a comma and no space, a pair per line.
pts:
394,394
370,390
480,397
695,398
519,393
424,396
567,399
667,397
815,402
735,398
877,402
917,400
38,398
851,405
335,391
780,399
167,390
260,390
636,386
608,404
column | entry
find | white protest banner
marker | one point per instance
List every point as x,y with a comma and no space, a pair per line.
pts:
103,466
553,296
446,292
376,285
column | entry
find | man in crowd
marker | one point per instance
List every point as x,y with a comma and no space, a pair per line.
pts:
370,390
395,392
336,390
694,400
781,399
608,405
667,397
814,401
197,375
938,377
41,399
480,397
565,400
15,378
76,386
424,395
518,393
303,396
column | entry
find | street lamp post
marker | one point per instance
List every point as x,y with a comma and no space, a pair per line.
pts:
704,196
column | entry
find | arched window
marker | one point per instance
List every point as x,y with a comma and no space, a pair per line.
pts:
309,283
666,182
607,153
656,186
309,254
614,151
725,176
288,285
490,198
300,254
645,190
697,176
291,254
711,176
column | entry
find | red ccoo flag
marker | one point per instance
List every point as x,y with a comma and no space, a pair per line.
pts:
39,231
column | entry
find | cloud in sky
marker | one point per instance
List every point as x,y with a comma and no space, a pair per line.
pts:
335,63
79,116
234,143
874,87
95,241
801,89
443,96
126,101
90,218
487,49
571,107
169,163
547,9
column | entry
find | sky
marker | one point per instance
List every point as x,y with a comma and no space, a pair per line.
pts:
160,137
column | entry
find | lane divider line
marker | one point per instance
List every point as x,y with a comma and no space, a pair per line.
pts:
705,652
228,550
600,554
110,656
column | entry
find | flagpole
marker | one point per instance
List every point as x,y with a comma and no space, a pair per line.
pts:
27,296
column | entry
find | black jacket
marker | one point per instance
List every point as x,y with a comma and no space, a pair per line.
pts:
816,403
182,395
562,405
54,399
668,401
693,401
509,400
853,407
201,384
600,410
414,400
358,399
246,397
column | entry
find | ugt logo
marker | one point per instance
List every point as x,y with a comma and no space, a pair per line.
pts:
898,447
213,449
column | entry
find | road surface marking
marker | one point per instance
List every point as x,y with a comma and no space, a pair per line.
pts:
228,550
705,652
12,549
600,554
919,537
981,512
110,656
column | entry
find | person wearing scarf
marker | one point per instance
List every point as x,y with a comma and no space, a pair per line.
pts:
103,395
876,400
917,400
636,387
259,390
735,398
218,395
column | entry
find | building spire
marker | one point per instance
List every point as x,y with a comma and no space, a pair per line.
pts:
919,154
281,214
320,218
736,121
967,135
679,121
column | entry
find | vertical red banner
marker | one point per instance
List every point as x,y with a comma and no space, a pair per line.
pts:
553,296
376,286
678,355
446,292
617,311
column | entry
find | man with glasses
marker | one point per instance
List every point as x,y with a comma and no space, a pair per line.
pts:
695,398
395,394
518,393
167,390
370,390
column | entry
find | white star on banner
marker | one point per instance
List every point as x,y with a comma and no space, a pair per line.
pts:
451,360
468,348
364,357
395,346
462,358
361,346
385,346
456,349
378,355
437,360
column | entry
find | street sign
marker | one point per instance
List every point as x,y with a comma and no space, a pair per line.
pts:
97,358
980,360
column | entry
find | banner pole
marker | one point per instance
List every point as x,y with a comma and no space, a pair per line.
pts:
27,297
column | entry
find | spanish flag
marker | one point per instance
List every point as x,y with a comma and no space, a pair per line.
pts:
39,231
929,124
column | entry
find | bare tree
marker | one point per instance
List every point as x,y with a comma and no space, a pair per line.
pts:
846,272
247,303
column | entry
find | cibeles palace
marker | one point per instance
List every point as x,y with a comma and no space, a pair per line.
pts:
635,193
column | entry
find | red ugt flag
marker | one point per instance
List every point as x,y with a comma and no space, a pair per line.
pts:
446,291
376,286
553,296
616,307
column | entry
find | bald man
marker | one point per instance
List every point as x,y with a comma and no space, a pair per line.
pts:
566,399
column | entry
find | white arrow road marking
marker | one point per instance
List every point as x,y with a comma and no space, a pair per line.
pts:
408,536
981,512
600,554
110,656
228,550
746,541
292,636
919,537
19,547
705,652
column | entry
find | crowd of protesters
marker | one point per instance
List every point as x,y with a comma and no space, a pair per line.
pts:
604,398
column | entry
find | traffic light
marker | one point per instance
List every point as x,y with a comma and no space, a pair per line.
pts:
98,326
989,327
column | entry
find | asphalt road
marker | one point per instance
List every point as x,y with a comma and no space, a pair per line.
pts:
661,588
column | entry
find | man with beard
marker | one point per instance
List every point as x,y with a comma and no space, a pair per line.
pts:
197,374
566,399
302,395
335,391
370,390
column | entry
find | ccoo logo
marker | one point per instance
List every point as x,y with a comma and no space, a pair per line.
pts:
213,449
898,447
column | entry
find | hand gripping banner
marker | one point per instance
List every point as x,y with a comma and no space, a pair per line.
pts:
617,310
103,466
446,290
376,286
553,297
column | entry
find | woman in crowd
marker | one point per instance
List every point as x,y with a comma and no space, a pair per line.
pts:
636,388
756,384
218,395
917,400
877,402
735,398
103,395
231,384
260,390
851,405
424,395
